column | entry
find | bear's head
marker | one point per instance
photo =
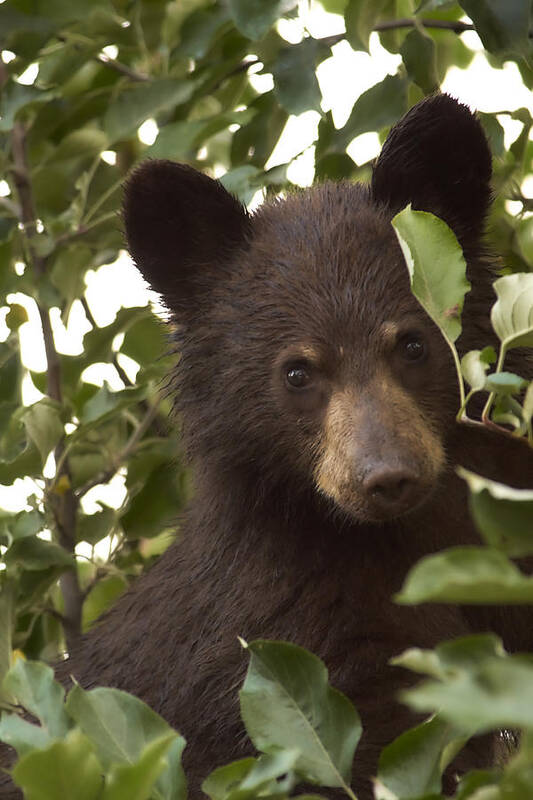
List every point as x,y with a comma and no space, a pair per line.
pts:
306,363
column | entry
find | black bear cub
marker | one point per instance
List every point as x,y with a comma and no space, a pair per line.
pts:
318,404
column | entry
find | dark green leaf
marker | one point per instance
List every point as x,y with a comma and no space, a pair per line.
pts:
502,26
360,17
503,515
418,53
36,554
376,108
296,84
286,703
413,764
133,106
43,424
255,17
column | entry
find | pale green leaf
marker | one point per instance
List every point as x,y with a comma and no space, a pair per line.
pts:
474,369
436,265
466,575
33,685
136,781
505,383
66,769
119,724
503,515
24,736
512,313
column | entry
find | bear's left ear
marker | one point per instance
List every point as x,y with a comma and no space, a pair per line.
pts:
181,228
437,158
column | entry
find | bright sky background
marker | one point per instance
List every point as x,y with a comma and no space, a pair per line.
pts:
342,78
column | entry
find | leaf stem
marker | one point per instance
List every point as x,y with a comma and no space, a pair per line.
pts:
490,399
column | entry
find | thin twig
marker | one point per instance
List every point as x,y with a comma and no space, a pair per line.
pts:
117,66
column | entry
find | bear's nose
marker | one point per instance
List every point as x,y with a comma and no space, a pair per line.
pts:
392,488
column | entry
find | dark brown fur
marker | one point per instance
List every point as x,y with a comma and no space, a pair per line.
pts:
284,538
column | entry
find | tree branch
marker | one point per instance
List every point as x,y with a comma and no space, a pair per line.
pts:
63,505
121,68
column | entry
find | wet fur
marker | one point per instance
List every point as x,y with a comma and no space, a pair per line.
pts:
265,552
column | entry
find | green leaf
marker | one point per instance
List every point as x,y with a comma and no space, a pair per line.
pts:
156,504
133,106
474,366
23,735
34,553
418,54
437,267
505,383
286,703
512,313
466,575
27,523
118,724
145,340
360,17
504,516
101,597
92,528
105,403
43,424
68,768
502,26
136,781
254,17
172,784
7,619
33,685
15,98
295,81
479,693
252,777
412,765
223,781
378,107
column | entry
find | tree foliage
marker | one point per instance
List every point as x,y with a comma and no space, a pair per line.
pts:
220,80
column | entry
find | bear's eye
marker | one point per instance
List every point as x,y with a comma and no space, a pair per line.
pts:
297,376
412,347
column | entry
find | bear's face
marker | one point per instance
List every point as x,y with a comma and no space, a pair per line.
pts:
306,361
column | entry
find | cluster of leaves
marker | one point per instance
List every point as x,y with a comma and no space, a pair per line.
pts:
437,270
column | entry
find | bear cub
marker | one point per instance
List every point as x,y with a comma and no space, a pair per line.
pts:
318,405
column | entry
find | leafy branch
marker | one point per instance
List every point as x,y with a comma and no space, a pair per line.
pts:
63,505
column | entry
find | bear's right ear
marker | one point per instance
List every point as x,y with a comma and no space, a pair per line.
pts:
181,227
437,158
